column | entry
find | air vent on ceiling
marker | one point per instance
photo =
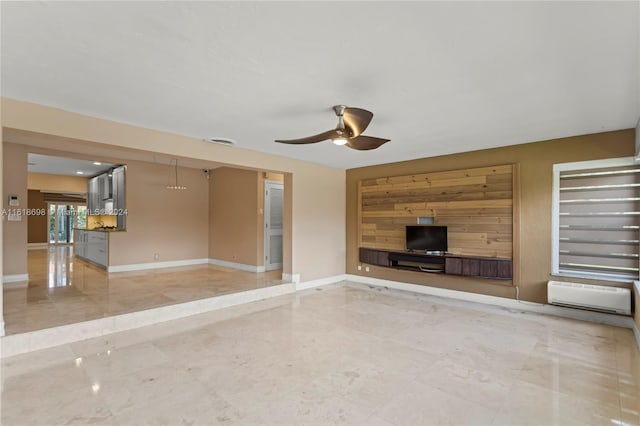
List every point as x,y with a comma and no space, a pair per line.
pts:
221,141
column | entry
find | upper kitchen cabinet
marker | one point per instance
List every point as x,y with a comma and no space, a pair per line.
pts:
106,195
118,180
93,201
105,184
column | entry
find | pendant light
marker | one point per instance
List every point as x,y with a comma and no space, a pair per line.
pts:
176,186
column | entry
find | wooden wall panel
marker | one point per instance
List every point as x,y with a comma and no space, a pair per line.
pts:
475,204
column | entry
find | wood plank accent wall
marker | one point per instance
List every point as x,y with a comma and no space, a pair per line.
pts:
477,206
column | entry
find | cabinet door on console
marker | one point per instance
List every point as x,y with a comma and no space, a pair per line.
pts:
382,259
504,269
453,266
374,257
367,255
471,267
488,268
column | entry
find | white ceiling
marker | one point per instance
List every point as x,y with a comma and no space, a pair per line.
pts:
441,77
39,163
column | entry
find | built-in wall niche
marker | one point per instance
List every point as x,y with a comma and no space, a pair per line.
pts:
477,206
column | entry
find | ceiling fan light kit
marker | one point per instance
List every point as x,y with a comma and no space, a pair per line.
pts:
351,123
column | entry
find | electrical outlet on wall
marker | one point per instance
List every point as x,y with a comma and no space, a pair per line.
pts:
366,269
156,256
359,267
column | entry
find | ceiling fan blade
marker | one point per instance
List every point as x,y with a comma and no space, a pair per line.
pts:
356,120
364,143
312,139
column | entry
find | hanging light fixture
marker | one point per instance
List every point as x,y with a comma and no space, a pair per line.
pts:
176,186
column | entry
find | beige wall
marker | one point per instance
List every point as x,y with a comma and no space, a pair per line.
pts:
536,161
2,195
36,224
323,248
233,208
56,183
171,223
14,179
314,201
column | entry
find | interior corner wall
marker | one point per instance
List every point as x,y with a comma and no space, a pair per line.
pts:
2,195
36,223
536,179
318,198
170,223
637,133
287,231
14,178
233,207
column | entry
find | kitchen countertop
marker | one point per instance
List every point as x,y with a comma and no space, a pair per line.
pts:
101,230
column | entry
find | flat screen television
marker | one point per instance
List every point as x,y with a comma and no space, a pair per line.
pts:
427,238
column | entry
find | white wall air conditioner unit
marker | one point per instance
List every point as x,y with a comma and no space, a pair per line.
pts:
601,298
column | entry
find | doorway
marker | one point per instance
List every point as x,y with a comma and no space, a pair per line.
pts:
63,219
273,224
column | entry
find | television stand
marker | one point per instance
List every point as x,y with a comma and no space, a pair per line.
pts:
449,264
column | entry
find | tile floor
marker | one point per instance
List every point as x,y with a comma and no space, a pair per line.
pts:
64,290
340,354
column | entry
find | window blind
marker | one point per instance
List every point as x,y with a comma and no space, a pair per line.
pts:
599,218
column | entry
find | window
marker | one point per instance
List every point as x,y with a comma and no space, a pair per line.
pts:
596,212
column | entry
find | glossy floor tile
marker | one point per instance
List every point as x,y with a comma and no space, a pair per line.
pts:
340,354
65,290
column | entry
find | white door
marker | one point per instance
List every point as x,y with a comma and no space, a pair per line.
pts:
273,207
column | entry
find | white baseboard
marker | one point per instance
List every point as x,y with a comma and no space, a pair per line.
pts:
598,317
291,278
241,266
37,246
156,265
320,282
15,281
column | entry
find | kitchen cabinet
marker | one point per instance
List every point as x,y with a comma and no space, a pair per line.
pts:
105,186
118,176
92,246
93,201
97,248
80,238
106,194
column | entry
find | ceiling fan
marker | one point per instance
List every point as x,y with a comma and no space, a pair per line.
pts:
351,124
